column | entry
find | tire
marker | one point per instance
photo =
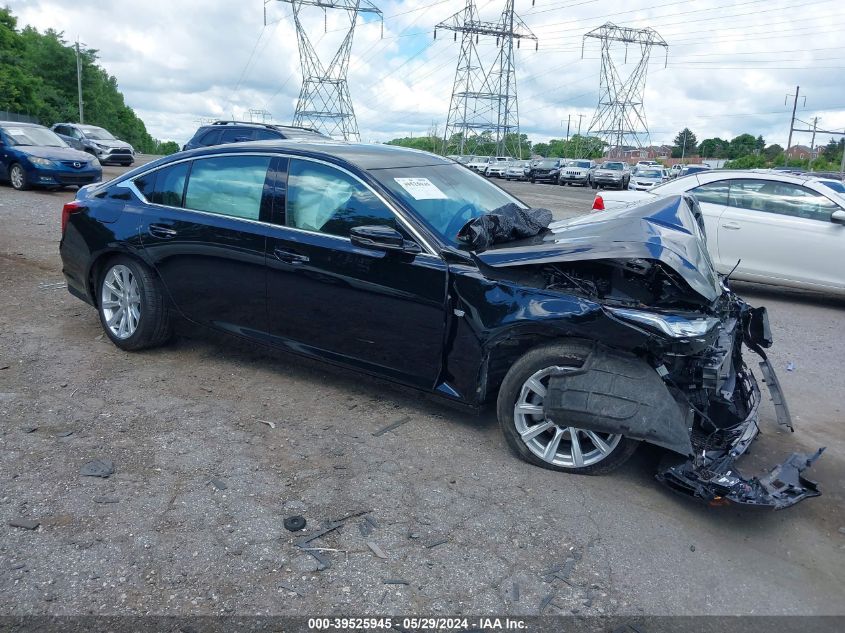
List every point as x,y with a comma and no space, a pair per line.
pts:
596,461
594,185
151,314
532,181
18,177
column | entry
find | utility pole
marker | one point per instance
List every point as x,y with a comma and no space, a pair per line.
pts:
79,81
792,122
813,142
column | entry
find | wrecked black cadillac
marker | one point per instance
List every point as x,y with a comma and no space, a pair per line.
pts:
651,350
591,335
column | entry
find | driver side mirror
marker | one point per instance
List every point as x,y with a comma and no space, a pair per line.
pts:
838,217
382,238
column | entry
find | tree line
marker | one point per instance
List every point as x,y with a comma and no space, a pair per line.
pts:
38,78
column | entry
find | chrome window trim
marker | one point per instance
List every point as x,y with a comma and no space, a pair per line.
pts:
130,184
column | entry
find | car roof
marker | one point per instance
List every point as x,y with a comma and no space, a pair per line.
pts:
19,124
365,156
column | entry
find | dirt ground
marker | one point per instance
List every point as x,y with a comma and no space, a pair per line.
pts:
434,516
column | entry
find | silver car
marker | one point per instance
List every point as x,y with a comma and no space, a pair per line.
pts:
645,178
517,170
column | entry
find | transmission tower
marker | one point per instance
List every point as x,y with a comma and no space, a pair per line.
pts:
324,102
484,103
620,119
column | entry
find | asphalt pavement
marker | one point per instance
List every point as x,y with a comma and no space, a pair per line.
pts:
214,443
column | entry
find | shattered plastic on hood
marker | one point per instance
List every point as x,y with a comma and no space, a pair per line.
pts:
665,230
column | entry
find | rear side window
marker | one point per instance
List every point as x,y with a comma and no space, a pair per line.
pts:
326,200
713,192
780,198
210,138
228,185
235,135
266,135
164,186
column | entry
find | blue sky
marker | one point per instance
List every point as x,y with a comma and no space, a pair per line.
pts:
731,62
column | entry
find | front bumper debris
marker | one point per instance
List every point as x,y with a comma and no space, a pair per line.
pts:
784,486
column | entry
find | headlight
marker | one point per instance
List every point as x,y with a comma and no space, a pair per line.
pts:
41,162
670,325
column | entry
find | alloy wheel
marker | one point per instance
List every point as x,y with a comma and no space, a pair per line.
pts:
17,176
558,445
120,300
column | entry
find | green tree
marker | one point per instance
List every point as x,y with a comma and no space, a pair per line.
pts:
742,145
773,153
17,88
713,148
685,144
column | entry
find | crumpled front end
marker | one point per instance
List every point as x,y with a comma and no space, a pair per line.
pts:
695,397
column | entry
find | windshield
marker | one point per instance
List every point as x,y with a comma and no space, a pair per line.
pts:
444,197
649,173
613,166
547,164
519,163
97,134
583,164
38,136
833,184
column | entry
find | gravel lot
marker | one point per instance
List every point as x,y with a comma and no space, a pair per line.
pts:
191,521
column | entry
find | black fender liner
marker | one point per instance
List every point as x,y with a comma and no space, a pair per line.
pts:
618,392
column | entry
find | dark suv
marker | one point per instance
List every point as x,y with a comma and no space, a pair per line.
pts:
222,132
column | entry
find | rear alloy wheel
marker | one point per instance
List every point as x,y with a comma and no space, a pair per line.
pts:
17,176
540,441
132,308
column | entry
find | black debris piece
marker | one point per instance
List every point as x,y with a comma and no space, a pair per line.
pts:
29,429
218,483
545,602
4,367
692,548
437,542
392,426
515,592
295,523
307,539
383,596
26,524
323,563
98,468
106,499
291,589
371,520
365,528
64,433
395,581
504,224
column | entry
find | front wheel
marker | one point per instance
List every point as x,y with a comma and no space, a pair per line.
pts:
18,178
541,441
133,310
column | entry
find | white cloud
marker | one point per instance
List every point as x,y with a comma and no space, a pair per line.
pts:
730,63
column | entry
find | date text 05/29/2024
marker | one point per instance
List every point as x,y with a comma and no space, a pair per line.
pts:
416,624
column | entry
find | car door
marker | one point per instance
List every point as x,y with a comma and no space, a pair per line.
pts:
382,312
5,156
783,234
713,199
205,233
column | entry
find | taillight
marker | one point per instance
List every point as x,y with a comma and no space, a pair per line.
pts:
598,203
70,207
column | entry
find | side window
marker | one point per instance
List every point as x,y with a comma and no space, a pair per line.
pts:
266,135
228,185
780,198
146,184
210,138
713,192
235,135
323,199
75,133
61,129
170,185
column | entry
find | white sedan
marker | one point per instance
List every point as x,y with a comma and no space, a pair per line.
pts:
776,228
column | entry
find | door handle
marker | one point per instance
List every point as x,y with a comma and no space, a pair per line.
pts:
290,257
161,230
732,226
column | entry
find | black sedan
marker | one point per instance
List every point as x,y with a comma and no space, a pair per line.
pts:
547,170
590,336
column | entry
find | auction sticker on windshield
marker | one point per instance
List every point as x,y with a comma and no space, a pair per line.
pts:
421,188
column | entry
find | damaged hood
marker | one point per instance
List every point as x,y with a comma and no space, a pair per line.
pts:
665,230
